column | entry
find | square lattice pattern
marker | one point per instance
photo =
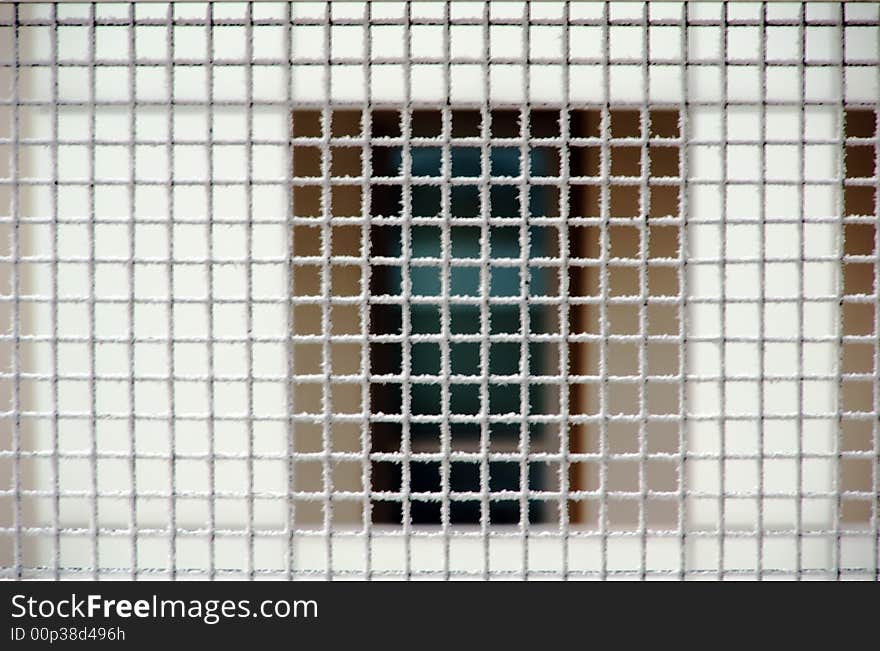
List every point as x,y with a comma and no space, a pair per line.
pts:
439,290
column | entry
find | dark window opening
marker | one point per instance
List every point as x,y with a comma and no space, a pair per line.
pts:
858,426
641,220
465,241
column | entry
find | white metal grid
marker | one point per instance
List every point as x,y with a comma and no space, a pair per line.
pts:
173,410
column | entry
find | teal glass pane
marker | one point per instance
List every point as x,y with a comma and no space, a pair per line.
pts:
425,241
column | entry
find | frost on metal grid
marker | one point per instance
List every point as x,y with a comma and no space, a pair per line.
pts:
447,290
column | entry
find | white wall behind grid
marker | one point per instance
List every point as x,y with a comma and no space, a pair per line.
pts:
712,243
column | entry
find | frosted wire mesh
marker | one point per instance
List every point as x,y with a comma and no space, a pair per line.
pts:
487,290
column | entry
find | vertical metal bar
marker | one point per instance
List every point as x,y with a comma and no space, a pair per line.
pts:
132,250
406,294
15,283
485,316
209,232
445,291
644,244
839,289
249,287
524,289
722,421
169,268
565,198
683,312
56,442
290,254
762,305
604,247
366,274
802,137
93,418
326,270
